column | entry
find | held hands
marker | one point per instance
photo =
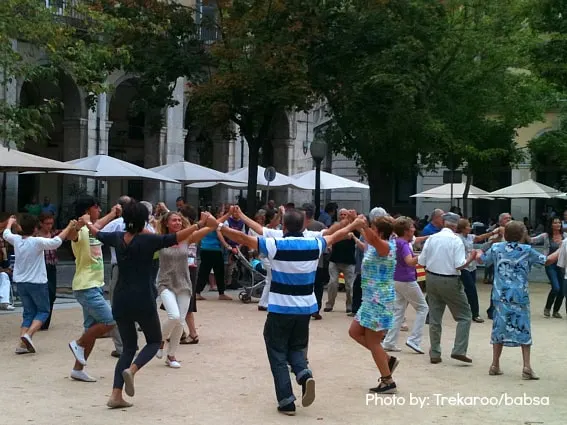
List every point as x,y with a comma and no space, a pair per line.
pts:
211,222
117,210
84,220
11,221
72,224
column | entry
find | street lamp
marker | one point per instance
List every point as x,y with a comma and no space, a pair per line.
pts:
318,150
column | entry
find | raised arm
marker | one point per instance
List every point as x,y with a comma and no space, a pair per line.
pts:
240,237
482,237
206,220
359,244
343,233
249,222
371,237
113,214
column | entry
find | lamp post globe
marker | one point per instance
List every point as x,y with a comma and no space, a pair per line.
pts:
318,149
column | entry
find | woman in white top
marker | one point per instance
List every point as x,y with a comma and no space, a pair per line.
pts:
174,283
468,274
552,240
30,275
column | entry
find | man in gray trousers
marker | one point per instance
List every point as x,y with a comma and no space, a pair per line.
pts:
443,256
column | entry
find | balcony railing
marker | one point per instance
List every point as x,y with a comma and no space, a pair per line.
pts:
66,8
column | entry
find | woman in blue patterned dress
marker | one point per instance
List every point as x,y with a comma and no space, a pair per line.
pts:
375,316
511,326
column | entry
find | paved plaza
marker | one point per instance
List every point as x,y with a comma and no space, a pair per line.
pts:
225,379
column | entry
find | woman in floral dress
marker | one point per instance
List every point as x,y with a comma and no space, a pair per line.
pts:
511,326
375,316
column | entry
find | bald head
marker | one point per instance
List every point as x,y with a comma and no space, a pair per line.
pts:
124,200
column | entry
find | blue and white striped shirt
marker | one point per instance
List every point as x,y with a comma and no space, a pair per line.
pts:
294,264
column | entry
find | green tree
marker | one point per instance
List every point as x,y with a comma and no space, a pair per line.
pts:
447,82
258,70
549,151
372,61
487,88
28,22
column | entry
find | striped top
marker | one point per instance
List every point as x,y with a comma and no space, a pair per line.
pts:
294,263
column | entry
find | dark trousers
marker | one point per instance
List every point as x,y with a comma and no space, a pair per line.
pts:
357,293
52,287
469,282
286,337
319,286
151,326
211,260
555,297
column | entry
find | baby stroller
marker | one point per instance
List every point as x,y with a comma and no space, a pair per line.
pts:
251,280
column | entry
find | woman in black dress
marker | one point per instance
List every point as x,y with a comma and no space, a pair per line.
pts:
135,295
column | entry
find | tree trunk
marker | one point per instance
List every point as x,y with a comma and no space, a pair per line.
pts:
381,185
466,195
253,154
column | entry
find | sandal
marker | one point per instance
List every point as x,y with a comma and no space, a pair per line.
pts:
190,340
529,375
494,371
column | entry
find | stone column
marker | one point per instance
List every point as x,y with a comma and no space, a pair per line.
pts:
75,145
154,145
9,181
175,141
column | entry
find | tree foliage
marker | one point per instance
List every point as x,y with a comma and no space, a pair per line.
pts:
488,89
447,81
258,71
371,60
27,21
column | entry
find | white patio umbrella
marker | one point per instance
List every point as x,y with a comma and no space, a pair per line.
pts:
109,168
12,160
281,180
528,189
328,181
187,172
444,192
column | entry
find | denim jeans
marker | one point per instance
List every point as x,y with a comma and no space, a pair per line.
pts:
357,293
286,337
469,282
35,300
52,287
95,307
555,297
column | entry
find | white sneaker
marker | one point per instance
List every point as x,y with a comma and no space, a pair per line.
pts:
159,353
172,363
21,350
26,339
81,375
78,352
7,307
415,347
393,349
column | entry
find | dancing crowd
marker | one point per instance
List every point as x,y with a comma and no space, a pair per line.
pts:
154,255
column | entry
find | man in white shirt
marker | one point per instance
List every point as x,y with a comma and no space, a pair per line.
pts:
443,256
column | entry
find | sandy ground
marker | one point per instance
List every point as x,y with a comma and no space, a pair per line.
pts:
225,379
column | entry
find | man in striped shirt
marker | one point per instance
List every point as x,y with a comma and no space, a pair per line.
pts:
293,259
